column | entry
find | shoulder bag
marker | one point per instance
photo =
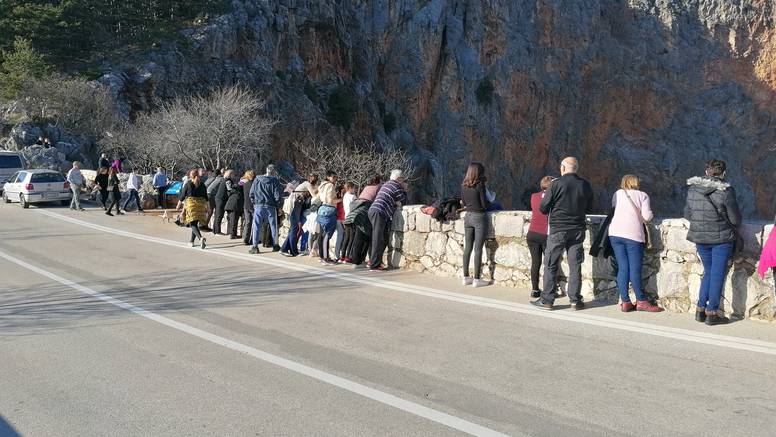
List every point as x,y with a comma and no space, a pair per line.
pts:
644,224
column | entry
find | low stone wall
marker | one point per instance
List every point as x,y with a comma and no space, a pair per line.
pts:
672,270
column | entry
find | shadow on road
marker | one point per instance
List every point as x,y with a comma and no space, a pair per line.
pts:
31,310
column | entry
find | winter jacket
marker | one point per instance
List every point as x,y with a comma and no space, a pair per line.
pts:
601,245
266,190
712,211
234,196
358,216
567,201
247,204
213,185
221,192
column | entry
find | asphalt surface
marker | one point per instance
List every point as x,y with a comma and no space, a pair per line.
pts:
72,364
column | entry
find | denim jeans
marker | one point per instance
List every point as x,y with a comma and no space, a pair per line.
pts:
715,259
133,196
328,222
262,213
290,246
630,257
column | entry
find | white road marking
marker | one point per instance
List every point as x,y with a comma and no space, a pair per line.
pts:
726,341
328,378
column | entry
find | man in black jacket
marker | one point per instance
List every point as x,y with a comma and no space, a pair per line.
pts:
567,201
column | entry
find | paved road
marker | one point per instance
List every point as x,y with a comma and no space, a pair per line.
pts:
180,342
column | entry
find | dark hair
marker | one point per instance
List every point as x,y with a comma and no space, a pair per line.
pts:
377,180
474,174
330,173
218,171
715,168
312,178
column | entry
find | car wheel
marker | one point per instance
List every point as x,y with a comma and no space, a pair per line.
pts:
23,201
5,197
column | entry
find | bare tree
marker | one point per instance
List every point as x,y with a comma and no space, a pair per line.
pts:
355,163
80,107
225,128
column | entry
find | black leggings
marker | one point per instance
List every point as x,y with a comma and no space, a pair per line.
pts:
475,226
537,244
347,242
195,233
114,200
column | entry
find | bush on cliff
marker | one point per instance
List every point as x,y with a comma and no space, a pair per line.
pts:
343,106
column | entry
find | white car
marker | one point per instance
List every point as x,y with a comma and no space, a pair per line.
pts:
37,186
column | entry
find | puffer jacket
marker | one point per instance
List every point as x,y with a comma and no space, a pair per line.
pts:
358,216
712,211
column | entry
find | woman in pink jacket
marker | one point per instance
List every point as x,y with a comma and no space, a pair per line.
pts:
626,233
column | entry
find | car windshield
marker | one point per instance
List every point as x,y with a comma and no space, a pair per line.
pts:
47,177
10,161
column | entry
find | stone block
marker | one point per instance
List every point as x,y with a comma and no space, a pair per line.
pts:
453,252
675,238
423,222
427,262
502,274
671,280
435,244
414,244
513,255
507,225
459,225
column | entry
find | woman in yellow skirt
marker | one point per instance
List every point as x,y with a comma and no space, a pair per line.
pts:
194,199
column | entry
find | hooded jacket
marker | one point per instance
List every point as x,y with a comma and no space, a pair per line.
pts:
712,211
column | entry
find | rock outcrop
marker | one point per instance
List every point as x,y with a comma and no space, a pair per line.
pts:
651,87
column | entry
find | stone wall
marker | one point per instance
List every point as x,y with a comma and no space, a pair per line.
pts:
672,271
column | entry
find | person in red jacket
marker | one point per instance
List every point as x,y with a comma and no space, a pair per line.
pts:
537,234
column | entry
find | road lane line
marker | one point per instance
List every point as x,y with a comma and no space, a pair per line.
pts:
448,420
726,341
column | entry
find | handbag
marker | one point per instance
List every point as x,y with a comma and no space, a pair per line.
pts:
647,231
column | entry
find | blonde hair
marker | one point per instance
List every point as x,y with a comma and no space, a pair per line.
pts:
249,175
630,182
546,182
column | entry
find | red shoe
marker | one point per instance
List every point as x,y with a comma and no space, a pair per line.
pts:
645,305
627,307
379,268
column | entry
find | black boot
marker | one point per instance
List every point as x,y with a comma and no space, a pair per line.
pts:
716,318
700,315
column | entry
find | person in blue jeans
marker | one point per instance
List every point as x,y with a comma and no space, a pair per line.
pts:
327,216
299,196
266,195
627,235
713,214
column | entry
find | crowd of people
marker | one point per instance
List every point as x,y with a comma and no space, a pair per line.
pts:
317,208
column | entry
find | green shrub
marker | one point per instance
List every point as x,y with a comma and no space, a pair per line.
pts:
484,92
311,92
342,107
389,122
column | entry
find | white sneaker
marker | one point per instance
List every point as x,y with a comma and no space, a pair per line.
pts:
480,283
467,280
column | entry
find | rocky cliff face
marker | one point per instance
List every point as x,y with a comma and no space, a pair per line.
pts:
651,87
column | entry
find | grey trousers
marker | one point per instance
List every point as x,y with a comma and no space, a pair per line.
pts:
75,202
558,242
